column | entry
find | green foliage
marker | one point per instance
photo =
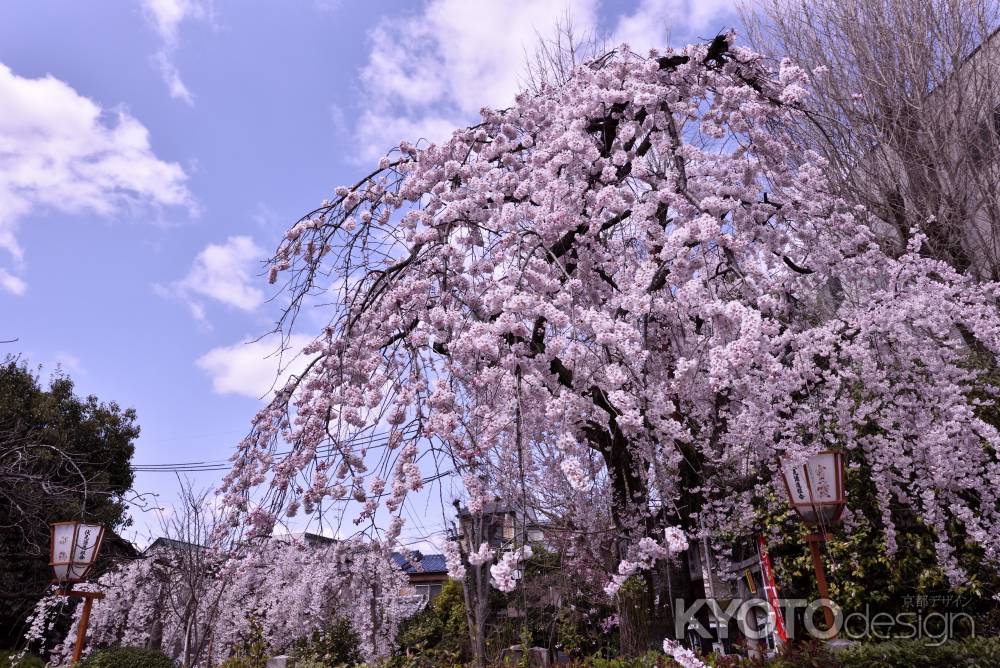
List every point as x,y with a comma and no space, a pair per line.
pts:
810,654
633,623
970,652
525,661
313,663
241,661
49,438
27,661
128,657
421,632
449,606
962,653
252,653
579,633
967,652
336,645
437,635
564,611
988,623
647,660
862,574
571,638
561,615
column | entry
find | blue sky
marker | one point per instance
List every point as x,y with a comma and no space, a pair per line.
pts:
152,153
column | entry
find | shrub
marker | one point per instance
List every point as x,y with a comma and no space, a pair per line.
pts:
966,653
437,635
647,660
252,653
27,661
311,663
128,657
810,654
241,661
970,652
336,645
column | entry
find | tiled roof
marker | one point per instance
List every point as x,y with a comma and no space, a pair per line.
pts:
173,544
117,546
421,563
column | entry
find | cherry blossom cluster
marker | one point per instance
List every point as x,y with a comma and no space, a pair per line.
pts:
287,588
453,560
626,284
505,574
682,655
644,554
577,476
481,555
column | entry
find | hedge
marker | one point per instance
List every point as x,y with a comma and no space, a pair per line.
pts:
966,653
27,661
128,657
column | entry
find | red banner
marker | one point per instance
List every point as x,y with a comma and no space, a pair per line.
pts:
771,589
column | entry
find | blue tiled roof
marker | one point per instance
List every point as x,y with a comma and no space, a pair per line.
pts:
422,563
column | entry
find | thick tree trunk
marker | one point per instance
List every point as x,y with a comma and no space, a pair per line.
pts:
629,512
476,608
633,617
673,587
475,591
646,605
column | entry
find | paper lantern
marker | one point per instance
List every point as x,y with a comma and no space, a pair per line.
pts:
816,487
74,550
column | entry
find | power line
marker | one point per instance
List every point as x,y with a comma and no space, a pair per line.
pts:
373,441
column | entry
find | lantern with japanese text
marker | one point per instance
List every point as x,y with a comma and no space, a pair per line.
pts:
816,491
74,550
816,487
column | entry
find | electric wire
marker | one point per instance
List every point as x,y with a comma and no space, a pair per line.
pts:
371,442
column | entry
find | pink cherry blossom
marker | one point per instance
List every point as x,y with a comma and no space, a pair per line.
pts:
620,302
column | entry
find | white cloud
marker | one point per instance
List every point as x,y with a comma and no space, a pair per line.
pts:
430,72
380,130
254,368
328,6
167,17
172,77
267,219
224,272
12,283
61,151
657,23
68,362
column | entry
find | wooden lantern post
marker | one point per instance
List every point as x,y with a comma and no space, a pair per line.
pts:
815,489
74,549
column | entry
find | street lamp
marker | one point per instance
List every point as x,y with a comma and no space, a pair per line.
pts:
815,489
74,550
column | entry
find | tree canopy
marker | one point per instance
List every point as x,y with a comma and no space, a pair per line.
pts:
622,300
61,457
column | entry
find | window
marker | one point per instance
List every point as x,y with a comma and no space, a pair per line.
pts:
428,592
983,143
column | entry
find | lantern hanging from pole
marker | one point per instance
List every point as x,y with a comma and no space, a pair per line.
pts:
816,487
74,550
